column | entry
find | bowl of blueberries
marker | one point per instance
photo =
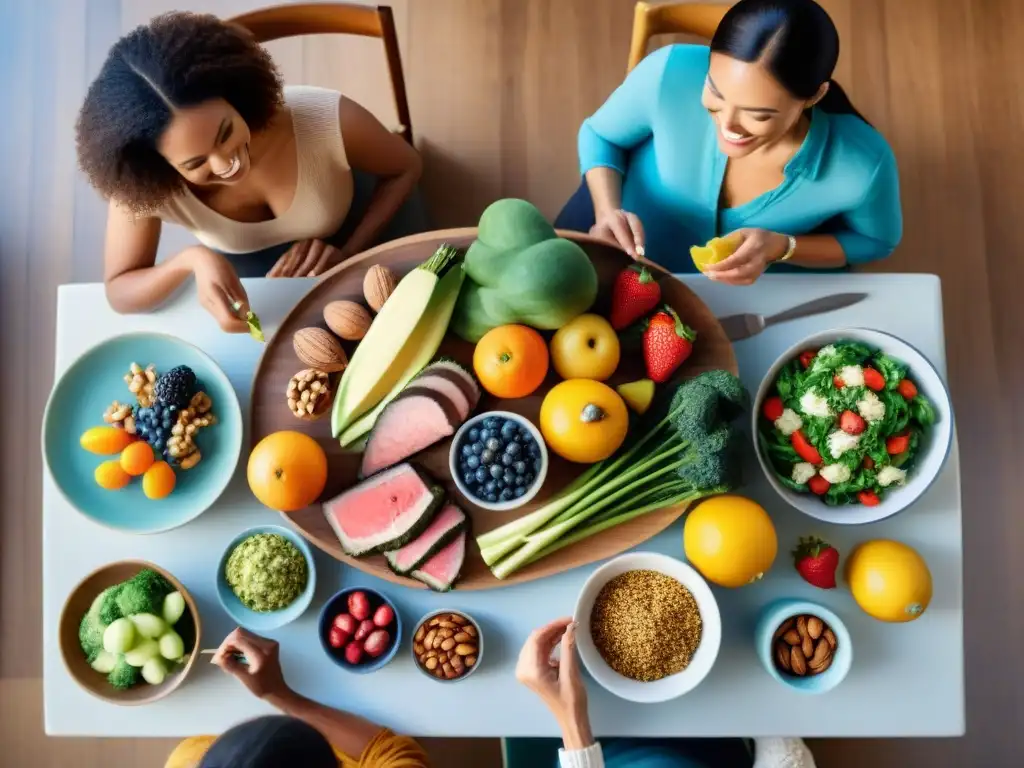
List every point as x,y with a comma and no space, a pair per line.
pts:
498,460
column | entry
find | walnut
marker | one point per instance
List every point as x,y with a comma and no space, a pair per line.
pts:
141,382
309,394
120,415
181,445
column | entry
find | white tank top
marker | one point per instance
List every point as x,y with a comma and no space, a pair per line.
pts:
323,190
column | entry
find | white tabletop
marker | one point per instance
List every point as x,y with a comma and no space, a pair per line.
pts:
906,680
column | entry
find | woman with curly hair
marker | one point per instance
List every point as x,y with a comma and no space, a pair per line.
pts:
188,122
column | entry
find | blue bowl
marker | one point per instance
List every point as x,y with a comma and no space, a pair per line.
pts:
773,615
339,604
254,620
78,401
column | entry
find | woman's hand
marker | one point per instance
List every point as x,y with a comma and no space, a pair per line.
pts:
262,673
622,228
220,291
758,249
557,682
307,258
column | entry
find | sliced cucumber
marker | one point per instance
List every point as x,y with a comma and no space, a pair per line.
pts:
172,647
174,607
104,662
119,636
154,671
148,625
143,652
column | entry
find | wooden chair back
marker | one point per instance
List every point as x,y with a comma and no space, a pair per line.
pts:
649,19
280,21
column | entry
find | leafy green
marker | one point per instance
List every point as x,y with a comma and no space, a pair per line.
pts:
922,412
892,369
793,485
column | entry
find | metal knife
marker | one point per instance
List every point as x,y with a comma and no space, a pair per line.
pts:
738,327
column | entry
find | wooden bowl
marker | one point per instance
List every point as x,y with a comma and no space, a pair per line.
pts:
76,606
269,412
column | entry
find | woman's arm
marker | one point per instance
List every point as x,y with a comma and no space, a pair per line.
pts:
374,149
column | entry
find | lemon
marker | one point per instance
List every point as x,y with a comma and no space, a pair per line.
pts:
889,580
730,540
717,249
637,394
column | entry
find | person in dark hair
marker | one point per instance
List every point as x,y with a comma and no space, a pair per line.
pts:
188,122
305,735
785,166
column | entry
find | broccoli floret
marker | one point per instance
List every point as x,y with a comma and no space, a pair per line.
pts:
735,400
90,631
143,593
123,675
109,611
715,461
694,410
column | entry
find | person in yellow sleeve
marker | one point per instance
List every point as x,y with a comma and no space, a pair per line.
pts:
307,734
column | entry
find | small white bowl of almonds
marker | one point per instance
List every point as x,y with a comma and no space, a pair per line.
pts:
447,645
804,645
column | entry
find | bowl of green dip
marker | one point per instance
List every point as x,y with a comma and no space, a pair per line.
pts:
266,577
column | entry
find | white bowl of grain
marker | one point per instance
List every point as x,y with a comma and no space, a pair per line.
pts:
648,627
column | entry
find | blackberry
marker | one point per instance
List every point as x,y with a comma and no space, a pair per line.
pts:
154,425
176,387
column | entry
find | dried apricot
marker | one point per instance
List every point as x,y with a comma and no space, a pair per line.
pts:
158,481
137,458
109,475
105,440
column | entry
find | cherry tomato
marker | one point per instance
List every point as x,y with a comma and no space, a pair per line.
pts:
874,380
869,498
907,389
773,408
804,449
868,463
807,356
837,381
851,423
819,485
897,444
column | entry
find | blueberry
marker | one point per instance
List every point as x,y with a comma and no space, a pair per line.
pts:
492,498
520,480
537,464
485,435
469,479
472,462
477,448
513,449
529,477
533,450
524,434
474,434
496,471
519,492
509,478
481,475
507,460
491,422
507,494
490,486
467,449
487,457
158,444
520,467
499,484
494,444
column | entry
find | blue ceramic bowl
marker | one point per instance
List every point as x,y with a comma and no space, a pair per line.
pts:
254,620
339,604
78,401
773,615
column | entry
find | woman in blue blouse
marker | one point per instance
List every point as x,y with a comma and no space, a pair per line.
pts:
754,139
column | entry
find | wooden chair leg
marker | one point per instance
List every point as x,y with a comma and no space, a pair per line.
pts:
641,34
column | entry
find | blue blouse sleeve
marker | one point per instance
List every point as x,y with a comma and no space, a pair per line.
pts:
875,227
625,119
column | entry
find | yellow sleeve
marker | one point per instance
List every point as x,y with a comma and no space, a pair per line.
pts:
388,750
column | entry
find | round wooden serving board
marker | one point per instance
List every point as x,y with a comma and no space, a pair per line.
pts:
278,364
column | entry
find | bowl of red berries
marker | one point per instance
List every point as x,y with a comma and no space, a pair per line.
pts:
360,630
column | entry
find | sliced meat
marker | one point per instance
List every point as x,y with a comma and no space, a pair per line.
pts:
442,570
445,526
385,511
414,420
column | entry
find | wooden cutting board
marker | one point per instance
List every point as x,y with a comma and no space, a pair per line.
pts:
278,364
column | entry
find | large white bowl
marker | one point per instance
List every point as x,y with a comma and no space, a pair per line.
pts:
935,443
668,687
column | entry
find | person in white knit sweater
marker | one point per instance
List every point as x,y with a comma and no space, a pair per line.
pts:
559,684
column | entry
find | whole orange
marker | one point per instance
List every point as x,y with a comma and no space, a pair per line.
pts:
511,361
287,471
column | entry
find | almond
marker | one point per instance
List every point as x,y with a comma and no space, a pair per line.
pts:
792,637
801,626
782,656
319,349
831,637
348,319
815,627
821,650
784,627
817,669
807,647
797,661
378,285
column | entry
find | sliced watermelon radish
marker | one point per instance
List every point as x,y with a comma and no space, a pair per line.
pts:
442,570
414,420
445,526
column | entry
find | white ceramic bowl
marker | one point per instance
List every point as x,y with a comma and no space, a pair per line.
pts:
668,687
453,461
935,443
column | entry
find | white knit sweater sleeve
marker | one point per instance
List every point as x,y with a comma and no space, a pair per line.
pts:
782,753
591,757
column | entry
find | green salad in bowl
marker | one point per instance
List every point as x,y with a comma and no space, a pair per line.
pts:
845,422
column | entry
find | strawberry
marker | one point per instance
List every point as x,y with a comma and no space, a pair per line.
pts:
667,344
816,561
907,389
634,294
874,380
